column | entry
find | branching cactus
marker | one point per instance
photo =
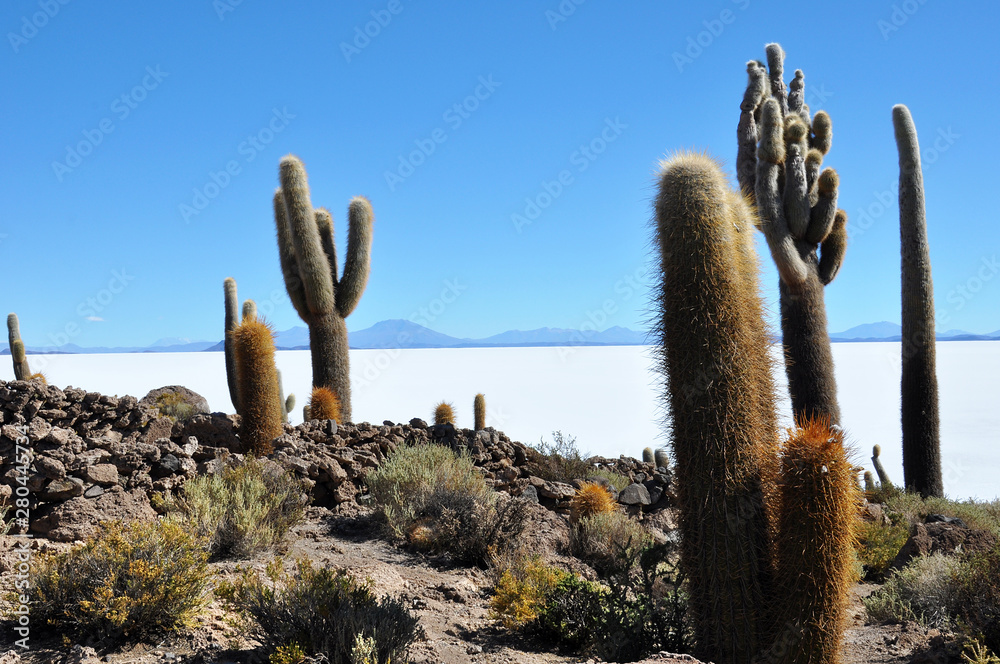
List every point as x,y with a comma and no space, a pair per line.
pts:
21,369
710,323
308,255
779,160
919,397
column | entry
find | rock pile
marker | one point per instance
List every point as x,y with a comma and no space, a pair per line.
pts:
97,457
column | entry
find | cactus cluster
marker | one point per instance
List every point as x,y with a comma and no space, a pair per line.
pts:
232,321
322,296
751,520
779,160
919,396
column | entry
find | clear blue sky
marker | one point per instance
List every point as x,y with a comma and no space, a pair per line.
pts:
104,236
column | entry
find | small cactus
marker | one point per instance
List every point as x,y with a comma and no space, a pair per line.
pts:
324,405
648,456
21,369
444,414
661,459
257,379
883,476
869,482
590,499
286,404
479,411
249,310
817,514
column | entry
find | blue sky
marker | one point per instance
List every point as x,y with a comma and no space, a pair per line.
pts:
116,116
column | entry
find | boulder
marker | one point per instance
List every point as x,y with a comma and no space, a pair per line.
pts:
940,537
175,394
78,518
105,474
634,494
70,487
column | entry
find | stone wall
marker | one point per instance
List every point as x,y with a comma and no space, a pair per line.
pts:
97,457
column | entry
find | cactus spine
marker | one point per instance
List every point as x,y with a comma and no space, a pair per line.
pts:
257,380
919,397
309,265
479,411
323,405
444,414
780,152
817,512
724,430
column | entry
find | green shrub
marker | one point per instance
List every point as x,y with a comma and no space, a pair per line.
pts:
172,404
243,510
617,480
126,581
603,540
977,596
976,514
320,611
878,545
560,460
922,591
438,501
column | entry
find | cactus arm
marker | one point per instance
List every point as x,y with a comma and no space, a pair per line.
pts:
776,72
825,209
833,249
286,257
249,310
822,132
796,96
746,132
232,320
324,222
289,404
313,266
359,251
919,396
796,194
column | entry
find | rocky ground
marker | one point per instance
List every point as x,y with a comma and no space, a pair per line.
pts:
97,457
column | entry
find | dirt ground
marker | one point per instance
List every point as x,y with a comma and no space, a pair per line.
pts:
450,602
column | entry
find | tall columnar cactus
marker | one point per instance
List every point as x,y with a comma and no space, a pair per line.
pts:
780,153
257,379
21,369
817,513
883,476
919,398
308,258
232,322
714,354
479,412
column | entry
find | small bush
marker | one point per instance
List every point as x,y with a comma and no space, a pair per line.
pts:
521,592
321,612
172,404
617,480
913,509
439,502
977,596
243,510
603,540
560,460
878,545
921,591
126,581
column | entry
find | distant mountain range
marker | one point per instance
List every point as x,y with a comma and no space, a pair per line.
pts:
405,334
